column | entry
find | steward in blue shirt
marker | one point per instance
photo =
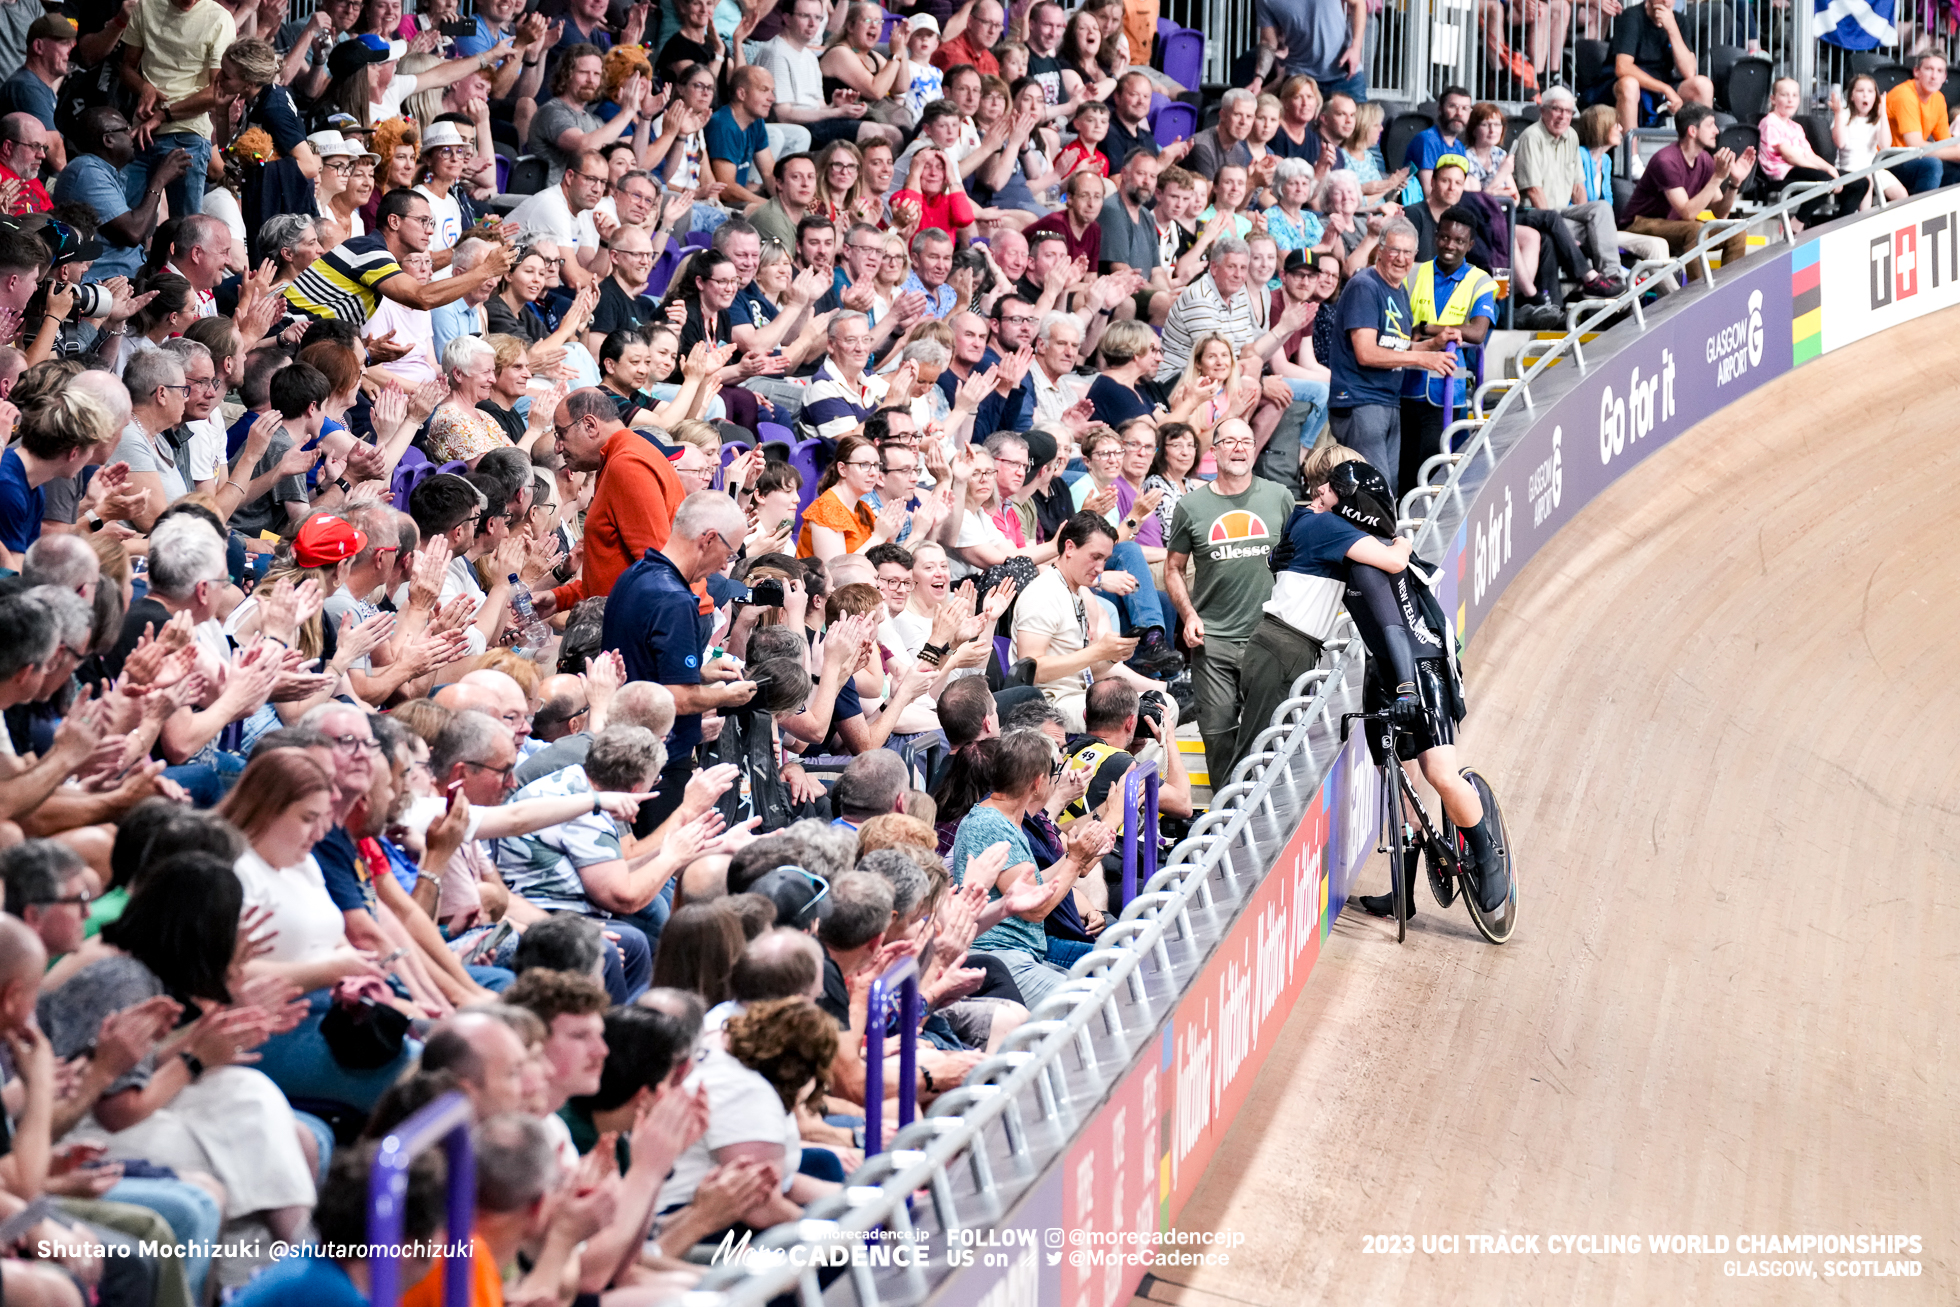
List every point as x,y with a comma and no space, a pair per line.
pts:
660,626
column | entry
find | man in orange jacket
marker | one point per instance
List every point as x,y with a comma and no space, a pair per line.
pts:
633,506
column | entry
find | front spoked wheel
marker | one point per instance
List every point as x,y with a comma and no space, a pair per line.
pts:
1494,926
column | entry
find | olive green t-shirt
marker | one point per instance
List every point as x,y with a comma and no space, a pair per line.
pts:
1228,538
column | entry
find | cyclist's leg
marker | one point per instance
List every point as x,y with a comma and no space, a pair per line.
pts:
1441,769
1381,623
1466,811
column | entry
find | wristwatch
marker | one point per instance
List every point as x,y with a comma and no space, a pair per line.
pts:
597,807
192,1063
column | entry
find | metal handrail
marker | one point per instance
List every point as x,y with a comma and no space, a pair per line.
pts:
963,1115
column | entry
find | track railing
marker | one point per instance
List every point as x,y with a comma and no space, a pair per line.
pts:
979,1149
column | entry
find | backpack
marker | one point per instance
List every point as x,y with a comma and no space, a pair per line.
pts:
759,789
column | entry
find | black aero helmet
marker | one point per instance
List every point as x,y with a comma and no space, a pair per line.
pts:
1364,497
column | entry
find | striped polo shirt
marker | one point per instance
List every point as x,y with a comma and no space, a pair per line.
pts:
1200,309
343,282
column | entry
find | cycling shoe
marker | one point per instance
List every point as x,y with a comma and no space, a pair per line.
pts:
1383,905
1493,880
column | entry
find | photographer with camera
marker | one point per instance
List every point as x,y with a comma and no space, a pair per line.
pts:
67,319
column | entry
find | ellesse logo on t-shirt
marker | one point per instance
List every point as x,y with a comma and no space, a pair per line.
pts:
1239,524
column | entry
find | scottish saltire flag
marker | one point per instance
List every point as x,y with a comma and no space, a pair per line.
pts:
1857,24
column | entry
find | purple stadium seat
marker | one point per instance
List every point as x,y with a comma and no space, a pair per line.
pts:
885,32
1173,121
411,472
1003,653
1184,58
730,451
767,433
503,174
698,240
663,271
803,457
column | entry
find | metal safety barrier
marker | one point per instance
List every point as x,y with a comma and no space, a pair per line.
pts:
1430,527
446,1122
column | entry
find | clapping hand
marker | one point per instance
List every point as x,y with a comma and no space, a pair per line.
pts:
385,349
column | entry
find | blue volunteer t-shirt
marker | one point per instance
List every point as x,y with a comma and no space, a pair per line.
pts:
1428,146
728,141
21,507
1368,301
656,624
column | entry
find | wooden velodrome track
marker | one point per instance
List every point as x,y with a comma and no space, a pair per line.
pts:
1720,709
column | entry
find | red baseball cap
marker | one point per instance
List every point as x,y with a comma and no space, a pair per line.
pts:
324,540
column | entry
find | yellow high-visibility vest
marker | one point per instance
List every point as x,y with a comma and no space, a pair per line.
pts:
1474,283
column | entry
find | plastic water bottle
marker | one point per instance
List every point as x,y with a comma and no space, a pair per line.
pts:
534,632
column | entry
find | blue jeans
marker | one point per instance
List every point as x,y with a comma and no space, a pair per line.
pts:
652,919
1280,459
208,782
706,217
190,1212
186,194
494,979
1064,952
1926,174
629,962
1141,608
1354,86
303,1067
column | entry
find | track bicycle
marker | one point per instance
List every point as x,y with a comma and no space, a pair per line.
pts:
1444,852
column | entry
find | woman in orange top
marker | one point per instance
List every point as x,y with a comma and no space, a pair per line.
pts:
838,521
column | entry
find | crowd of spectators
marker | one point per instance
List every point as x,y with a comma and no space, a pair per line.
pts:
561,647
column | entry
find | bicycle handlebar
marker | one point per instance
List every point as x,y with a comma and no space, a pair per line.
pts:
1382,716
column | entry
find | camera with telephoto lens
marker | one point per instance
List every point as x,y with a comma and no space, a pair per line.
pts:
92,301
767,594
